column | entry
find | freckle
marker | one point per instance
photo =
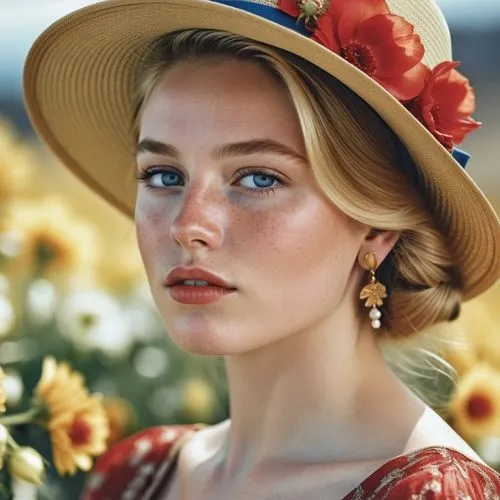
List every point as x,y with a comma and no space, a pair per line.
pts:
153,216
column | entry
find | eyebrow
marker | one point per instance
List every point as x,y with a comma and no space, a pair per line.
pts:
151,146
243,148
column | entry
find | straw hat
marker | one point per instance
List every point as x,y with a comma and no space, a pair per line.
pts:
79,81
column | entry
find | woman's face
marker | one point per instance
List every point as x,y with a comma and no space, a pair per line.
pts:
231,192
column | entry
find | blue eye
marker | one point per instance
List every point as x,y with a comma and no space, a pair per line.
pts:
264,181
165,179
158,177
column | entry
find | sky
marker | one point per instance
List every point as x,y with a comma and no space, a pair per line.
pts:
22,20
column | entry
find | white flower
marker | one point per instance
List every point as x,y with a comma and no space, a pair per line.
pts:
7,316
92,319
13,387
41,300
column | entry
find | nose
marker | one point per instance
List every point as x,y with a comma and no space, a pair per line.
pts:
198,223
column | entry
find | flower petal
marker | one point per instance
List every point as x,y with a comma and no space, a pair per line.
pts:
351,14
453,88
289,7
83,462
326,34
445,105
407,85
393,44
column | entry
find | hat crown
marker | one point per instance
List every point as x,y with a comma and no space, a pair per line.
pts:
425,16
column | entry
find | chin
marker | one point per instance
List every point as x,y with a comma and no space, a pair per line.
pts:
202,341
209,333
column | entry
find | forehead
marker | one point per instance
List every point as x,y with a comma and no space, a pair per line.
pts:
235,98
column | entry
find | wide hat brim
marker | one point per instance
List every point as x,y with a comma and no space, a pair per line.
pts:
79,79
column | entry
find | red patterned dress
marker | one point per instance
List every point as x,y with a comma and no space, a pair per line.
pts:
135,469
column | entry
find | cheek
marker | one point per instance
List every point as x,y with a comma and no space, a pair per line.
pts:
151,225
306,239
300,262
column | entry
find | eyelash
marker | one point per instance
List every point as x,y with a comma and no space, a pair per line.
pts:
144,175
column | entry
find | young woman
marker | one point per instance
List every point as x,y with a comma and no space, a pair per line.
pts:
298,196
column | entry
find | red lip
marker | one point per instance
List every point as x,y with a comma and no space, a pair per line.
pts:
180,273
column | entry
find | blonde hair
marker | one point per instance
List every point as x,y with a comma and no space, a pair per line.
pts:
360,164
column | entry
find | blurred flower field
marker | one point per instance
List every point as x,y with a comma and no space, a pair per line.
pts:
84,352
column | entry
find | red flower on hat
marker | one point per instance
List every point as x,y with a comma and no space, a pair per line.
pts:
445,105
381,44
386,47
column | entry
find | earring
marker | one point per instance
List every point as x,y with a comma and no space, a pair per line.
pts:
374,291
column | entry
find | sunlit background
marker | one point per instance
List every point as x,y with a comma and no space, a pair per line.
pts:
72,284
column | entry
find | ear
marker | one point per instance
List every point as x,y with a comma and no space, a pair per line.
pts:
381,242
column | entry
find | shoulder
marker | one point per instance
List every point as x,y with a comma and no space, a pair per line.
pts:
132,463
434,473
441,473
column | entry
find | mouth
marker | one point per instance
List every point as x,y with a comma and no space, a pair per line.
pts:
198,284
198,292
195,277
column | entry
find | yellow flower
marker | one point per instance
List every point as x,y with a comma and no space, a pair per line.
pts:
77,437
475,405
53,241
3,396
77,421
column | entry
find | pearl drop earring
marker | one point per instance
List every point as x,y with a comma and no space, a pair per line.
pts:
374,291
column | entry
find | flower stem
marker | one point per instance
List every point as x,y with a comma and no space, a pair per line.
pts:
20,418
12,443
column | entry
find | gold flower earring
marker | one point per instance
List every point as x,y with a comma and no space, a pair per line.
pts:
374,292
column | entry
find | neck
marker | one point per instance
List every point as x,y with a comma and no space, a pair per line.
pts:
311,398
